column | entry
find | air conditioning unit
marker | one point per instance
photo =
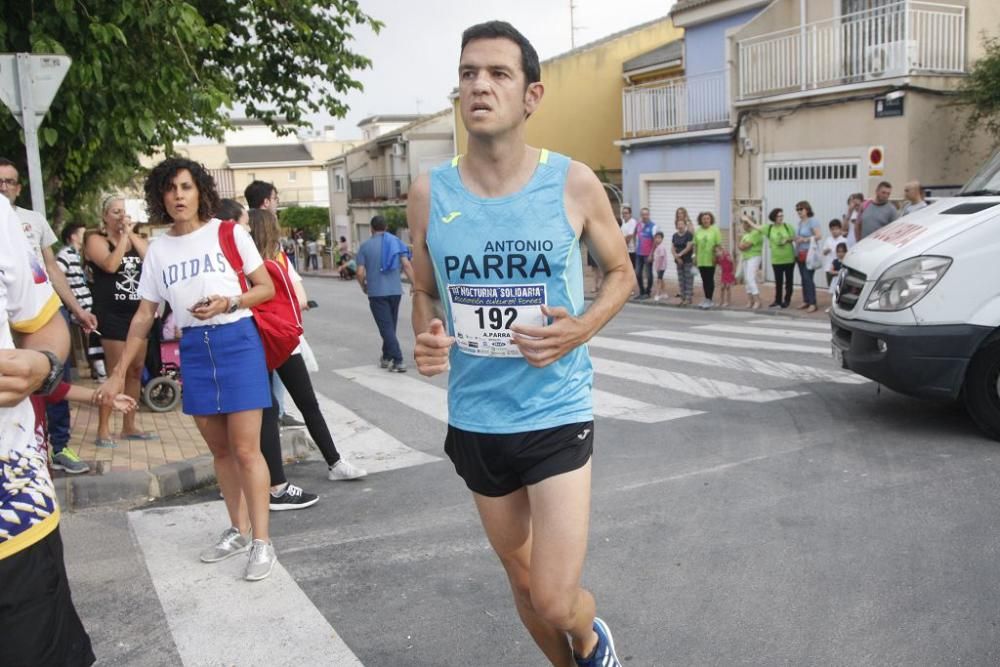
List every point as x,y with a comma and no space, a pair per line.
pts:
889,59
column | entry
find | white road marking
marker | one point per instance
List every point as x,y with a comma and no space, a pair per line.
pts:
202,601
779,369
366,445
729,341
433,401
801,336
689,384
788,322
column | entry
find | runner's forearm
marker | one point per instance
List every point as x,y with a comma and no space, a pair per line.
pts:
615,291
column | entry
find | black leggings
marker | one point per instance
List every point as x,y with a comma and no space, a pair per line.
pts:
784,276
708,280
295,377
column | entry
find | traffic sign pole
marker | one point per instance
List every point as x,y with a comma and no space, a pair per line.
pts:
30,125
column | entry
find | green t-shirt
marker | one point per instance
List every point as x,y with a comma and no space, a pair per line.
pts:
756,241
781,253
705,241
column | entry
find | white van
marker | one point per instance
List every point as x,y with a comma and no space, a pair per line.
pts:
917,304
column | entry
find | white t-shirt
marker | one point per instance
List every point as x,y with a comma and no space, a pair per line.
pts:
28,506
183,269
830,243
628,229
38,232
852,237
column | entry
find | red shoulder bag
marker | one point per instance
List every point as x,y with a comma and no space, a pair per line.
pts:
279,319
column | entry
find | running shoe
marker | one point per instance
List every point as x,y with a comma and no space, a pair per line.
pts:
293,498
604,653
383,362
262,560
68,461
289,421
397,367
230,543
343,470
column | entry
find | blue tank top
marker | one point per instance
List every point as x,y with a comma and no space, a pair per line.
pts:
496,262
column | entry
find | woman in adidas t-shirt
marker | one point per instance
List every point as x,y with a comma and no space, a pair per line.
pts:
225,373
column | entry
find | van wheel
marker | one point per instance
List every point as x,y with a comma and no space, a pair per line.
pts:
981,390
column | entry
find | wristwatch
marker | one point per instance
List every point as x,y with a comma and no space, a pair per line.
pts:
234,304
54,377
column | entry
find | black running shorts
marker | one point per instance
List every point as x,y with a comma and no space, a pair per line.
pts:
497,464
38,625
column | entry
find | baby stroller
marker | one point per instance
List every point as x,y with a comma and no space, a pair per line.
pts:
161,378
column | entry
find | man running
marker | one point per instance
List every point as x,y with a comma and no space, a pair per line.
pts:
496,237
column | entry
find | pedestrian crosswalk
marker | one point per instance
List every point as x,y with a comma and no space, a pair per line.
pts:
673,377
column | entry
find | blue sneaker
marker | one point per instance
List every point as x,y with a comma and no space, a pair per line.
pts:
604,653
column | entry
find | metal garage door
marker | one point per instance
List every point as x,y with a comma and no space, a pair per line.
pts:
825,184
665,197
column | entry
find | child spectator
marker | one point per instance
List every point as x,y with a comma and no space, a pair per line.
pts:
837,265
659,265
830,244
683,251
725,263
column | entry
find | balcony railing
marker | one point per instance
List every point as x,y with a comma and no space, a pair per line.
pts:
894,40
685,104
378,188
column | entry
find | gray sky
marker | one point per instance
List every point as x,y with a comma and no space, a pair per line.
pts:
415,56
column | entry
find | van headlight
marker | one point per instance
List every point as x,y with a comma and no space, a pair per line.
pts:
903,284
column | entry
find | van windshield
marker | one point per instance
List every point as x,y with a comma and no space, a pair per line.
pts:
986,181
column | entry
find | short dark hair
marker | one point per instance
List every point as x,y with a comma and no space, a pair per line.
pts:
229,209
160,179
842,245
378,223
884,184
502,30
835,223
658,234
4,162
257,192
711,217
773,215
68,229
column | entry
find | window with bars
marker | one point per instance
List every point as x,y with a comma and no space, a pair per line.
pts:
839,171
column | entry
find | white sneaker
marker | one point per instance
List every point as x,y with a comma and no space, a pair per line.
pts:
343,470
261,562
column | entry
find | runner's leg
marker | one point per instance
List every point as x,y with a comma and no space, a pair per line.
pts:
507,522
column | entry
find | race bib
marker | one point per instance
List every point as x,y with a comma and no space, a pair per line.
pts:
482,316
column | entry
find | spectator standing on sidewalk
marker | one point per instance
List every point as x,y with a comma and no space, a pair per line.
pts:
628,231
706,238
71,263
312,255
877,213
751,246
115,259
645,232
661,255
727,276
780,236
40,624
807,236
914,195
294,375
380,260
830,244
225,372
851,221
682,248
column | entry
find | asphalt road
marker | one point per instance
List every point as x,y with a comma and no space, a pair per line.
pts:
752,505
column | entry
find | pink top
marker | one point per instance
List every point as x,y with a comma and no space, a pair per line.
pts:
726,264
660,256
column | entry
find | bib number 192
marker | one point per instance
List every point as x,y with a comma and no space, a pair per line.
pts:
496,317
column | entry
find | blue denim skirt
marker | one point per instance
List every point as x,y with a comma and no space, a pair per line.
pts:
223,369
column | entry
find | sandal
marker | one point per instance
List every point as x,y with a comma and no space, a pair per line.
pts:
145,435
105,443
811,309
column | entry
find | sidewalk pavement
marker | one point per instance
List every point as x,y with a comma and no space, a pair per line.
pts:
135,472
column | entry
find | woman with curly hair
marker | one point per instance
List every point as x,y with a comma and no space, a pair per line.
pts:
225,373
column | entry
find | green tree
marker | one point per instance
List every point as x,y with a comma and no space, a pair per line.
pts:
980,91
147,74
313,220
395,218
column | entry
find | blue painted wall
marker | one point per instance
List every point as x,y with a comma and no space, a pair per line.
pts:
705,44
702,156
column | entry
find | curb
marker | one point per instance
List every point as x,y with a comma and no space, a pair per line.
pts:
138,487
